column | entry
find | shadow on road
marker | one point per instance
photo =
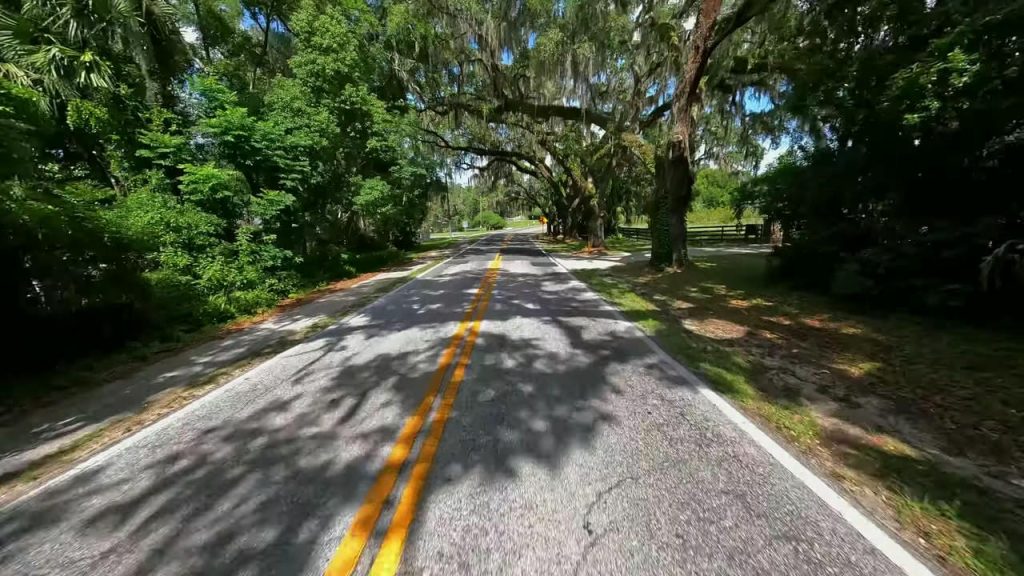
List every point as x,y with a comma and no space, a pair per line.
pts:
256,488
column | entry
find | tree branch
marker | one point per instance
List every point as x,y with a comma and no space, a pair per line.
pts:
537,167
728,24
655,115
507,106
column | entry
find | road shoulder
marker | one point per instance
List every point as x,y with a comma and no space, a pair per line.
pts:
876,524
45,443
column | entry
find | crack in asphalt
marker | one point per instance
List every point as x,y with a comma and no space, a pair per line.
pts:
598,498
591,544
593,540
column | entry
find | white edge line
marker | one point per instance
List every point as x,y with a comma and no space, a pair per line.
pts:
126,442
878,538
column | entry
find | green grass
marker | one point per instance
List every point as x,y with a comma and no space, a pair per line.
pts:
613,243
435,244
460,234
473,232
514,224
710,216
775,352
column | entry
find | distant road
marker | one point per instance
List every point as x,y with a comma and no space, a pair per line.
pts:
558,442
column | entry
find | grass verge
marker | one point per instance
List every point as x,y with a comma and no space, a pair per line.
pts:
516,224
918,419
612,244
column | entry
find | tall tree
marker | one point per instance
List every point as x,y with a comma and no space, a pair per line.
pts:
612,70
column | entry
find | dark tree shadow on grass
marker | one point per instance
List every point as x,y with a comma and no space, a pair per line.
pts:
792,351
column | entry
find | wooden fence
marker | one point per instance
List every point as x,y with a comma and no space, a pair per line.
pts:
710,234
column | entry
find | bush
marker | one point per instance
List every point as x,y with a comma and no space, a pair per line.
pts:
714,188
371,261
489,221
174,302
71,282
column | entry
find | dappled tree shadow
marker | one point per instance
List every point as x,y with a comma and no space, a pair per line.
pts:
808,353
62,423
925,488
797,354
258,487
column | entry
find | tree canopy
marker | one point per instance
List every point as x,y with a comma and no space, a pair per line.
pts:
168,164
180,164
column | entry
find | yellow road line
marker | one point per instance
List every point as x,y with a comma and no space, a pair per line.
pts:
346,556
391,548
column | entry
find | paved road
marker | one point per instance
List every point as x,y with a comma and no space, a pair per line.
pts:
571,448
27,440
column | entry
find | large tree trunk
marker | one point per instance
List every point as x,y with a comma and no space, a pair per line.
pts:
679,180
562,222
576,218
203,34
674,190
659,219
595,216
595,229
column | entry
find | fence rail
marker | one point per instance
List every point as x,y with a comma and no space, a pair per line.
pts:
709,234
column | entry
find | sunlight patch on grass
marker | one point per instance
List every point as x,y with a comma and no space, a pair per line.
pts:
959,383
855,366
730,373
612,244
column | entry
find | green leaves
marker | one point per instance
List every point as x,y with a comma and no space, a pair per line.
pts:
907,120
714,188
67,48
198,174
222,192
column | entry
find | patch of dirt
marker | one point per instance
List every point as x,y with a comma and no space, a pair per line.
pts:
869,419
715,328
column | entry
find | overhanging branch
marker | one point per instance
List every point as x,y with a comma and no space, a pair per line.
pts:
729,23
483,109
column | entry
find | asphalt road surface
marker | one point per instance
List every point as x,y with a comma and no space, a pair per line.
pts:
491,417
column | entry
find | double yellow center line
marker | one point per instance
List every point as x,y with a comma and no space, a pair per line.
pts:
347,555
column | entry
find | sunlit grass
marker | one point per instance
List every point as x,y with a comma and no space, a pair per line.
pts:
729,372
612,244
960,383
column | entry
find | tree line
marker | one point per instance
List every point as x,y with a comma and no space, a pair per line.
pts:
174,163
903,183
901,122
168,165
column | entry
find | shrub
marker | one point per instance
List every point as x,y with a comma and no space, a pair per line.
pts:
489,221
174,302
71,282
714,188
371,261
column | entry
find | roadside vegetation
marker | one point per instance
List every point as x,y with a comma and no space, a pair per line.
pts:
912,414
170,167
